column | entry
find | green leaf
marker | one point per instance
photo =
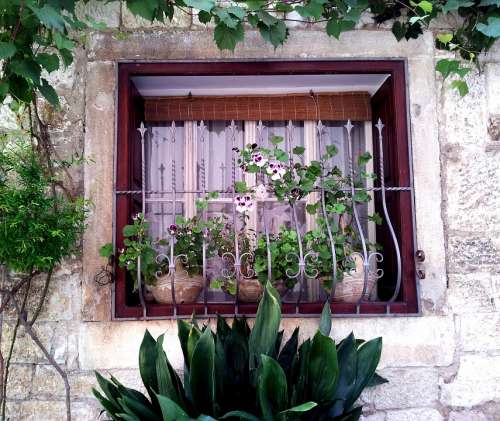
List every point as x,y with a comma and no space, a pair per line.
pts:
461,86
205,5
49,62
331,150
444,38
170,410
49,93
272,393
202,373
129,230
399,30
307,406
144,8
204,17
446,67
241,415
490,3
226,38
67,56
335,27
240,187
452,5
325,322
106,250
27,69
425,5
263,336
348,359
63,42
311,9
364,158
492,29
275,34
276,140
323,368
377,380
298,150
368,359
147,364
49,16
7,50
281,155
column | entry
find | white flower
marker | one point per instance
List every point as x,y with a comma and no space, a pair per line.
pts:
276,170
261,192
259,159
243,203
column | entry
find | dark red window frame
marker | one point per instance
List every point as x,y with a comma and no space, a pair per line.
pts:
389,103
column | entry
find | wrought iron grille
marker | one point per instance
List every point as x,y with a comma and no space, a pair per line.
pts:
237,263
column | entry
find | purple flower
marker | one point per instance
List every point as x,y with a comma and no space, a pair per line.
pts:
276,170
243,203
172,228
258,159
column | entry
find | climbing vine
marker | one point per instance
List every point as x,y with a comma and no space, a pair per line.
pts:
41,215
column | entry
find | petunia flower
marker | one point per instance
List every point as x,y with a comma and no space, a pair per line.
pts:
259,159
243,203
276,170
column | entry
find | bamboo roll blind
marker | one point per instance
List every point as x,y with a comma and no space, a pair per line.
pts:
338,106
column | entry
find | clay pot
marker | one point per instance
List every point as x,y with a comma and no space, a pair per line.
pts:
187,288
250,290
350,289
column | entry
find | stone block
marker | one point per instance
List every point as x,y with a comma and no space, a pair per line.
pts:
302,43
418,414
473,252
116,345
477,382
105,12
378,416
19,384
407,388
492,71
474,292
480,332
99,146
467,416
40,410
472,191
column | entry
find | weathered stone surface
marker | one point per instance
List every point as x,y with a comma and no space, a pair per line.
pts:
492,70
130,21
467,416
407,388
472,192
480,332
474,292
116,345
303,44
99,145
420,414
379,416
20,376
472,252
105,12
477,382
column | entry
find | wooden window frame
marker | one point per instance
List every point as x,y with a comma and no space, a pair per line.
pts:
389,101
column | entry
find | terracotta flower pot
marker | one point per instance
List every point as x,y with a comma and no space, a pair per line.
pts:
350,289
250,290
187,288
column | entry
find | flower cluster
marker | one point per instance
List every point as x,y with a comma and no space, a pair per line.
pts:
243,203
276,170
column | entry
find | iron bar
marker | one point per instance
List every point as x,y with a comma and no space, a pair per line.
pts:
142,130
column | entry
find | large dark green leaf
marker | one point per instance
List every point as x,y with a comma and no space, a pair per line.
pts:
49,93
265,331
7,50
143,8
272,392
193,338
183,329
226,38
202,374
205,5
170,410
323,368
300,373
289,352
368,359
108,406
348,359
147,364
49,62
275,34
240,415
325,322
138,408
28,69
110,390
49,16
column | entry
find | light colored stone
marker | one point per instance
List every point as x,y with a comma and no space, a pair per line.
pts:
379,416
470,252
474,292
407,388
99,146
420,414
492,71
303,44
467,416
477,382
103,12
20,377
480,332
131,21
116,345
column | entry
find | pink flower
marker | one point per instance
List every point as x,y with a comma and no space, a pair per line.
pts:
243,203
276,170
259,159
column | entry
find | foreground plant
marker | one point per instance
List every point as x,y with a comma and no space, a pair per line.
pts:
242,373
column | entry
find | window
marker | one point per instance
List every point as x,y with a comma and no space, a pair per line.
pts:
199,117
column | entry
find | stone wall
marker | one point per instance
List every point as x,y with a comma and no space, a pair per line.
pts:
444,365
